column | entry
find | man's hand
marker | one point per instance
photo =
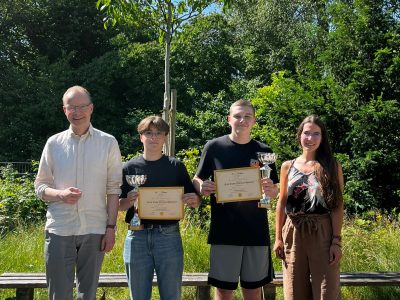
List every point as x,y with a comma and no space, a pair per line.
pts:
108,240
70,195
191,199
207,187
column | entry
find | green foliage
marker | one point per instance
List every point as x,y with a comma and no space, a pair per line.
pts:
202,61
19,205
206,123
366,35
280,107
375,144
199,217
263,32
39,51
166,17
190,158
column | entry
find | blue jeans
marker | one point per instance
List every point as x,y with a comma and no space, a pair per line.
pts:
156,249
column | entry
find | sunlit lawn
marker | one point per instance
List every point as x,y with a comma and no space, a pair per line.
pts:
367,246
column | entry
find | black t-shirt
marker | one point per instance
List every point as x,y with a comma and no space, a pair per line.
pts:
167,171
235,223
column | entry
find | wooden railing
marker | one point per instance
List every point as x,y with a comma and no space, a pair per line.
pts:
25,283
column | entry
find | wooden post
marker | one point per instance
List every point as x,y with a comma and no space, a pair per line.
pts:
172,123
24,294
165,116
268,291
203,292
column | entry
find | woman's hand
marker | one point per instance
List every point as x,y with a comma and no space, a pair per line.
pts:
335,254
278,249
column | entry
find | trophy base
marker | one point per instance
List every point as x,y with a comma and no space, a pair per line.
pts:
264,205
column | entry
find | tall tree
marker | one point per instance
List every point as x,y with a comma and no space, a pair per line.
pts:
202,60
165,16
39,55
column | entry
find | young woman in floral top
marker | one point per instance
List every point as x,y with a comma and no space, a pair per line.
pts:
309,217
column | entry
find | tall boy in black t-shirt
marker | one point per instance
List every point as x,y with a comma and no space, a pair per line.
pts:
156,245
239,235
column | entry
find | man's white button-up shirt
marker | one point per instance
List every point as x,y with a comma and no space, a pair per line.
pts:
92,163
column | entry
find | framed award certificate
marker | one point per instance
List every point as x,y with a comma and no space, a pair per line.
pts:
239,184
160,203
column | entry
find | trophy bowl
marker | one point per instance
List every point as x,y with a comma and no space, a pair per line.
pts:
135,181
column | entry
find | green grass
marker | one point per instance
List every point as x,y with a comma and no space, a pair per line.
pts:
368,245
371,245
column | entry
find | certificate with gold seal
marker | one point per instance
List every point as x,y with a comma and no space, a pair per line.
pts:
160,203
239,184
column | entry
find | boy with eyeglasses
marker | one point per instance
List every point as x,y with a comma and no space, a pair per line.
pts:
156,245
239,235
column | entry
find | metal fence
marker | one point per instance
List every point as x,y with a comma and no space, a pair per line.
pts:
20,167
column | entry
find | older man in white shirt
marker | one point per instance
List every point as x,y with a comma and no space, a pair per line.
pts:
79,177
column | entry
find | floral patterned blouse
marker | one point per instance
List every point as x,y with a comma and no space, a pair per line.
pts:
304,193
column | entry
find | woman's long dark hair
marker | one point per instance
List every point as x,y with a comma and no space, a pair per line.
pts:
327,167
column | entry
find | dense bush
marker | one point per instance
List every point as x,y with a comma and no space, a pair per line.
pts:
19,205
199,216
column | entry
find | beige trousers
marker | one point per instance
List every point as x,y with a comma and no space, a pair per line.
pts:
307,240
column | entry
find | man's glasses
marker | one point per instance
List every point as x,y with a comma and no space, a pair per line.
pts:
77,107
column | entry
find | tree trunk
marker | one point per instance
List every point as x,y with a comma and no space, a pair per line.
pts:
167,95
172,126
167,88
